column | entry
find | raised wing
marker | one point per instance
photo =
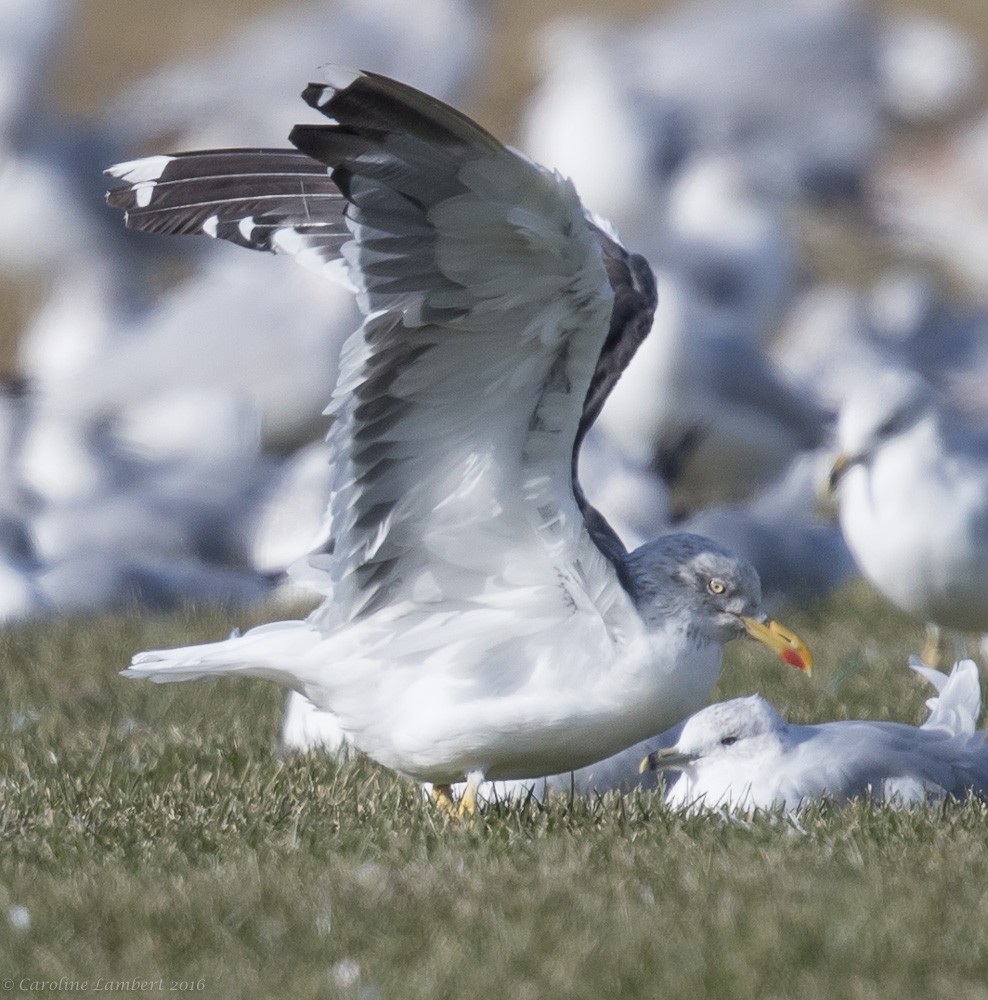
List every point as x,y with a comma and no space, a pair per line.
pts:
459,402
498,320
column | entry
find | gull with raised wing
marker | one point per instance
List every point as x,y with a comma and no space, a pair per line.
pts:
483,620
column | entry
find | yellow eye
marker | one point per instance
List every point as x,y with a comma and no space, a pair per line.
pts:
716,586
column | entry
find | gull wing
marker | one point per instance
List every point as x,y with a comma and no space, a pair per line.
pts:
460,400
498,319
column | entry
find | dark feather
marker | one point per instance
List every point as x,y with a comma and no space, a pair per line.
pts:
244,196
635,301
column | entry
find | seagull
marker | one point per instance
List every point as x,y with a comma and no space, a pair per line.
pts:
929,69
911,480
931,201
484,621
743,755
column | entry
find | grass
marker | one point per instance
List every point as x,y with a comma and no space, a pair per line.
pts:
153,833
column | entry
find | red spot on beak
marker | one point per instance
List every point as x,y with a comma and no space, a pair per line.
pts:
793,659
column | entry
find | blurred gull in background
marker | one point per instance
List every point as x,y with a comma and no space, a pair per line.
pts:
792,90
282,378
706,409
53,224
244,90
932,198
734,241
40,212
929,69
912,485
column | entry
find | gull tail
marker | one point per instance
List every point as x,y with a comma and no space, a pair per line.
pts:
281,652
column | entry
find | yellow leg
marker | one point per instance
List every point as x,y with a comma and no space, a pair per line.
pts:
442,796
932,651
468,800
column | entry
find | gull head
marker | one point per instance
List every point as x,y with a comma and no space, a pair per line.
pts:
878,412
716,592
726,732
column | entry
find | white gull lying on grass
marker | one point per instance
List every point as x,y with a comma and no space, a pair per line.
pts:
743,755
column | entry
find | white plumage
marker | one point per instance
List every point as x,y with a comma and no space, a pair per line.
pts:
743,755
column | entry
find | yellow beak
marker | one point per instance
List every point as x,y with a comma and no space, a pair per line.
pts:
777,637
666,759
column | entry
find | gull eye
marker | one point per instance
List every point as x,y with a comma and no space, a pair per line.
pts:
716,586
728,741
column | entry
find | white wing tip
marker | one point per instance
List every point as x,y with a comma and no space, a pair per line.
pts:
957,704
148,667
338,77
147,168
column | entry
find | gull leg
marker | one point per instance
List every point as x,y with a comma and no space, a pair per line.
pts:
931,650
442,796
468,800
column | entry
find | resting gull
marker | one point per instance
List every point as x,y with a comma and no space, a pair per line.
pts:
483,620
742,754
